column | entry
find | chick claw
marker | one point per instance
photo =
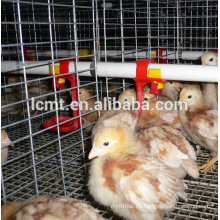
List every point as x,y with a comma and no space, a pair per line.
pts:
209,165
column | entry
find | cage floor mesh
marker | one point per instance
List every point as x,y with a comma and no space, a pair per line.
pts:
65,172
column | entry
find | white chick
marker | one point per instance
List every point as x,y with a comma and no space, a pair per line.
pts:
210,90
123,177
4,151
200,124
44,208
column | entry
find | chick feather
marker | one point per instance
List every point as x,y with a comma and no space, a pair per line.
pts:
200,124
45,208
210,90
88,110
124,175
4,151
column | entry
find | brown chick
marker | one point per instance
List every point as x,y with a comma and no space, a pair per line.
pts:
169,146
123,177
171,90
200,124
4,151
35,89
153,114
159,132
89,115
44,208
13,109
210,90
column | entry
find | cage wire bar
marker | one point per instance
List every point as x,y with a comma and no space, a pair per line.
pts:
55,163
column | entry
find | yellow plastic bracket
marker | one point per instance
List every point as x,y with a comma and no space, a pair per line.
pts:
84,52
61,80
154,73
57,72
160,86
56,68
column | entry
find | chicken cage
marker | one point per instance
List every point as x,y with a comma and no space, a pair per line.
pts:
40,36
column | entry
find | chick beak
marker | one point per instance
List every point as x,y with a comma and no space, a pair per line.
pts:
204,63
94,152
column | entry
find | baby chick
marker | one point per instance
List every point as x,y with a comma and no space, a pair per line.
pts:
200,124
171,90
123,177
169,146
210,90
88,117
7,99
4,151
128,96
210,59
153,114
45,208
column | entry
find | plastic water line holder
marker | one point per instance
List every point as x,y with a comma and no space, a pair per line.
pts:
159,53
59,81
214,51
145,76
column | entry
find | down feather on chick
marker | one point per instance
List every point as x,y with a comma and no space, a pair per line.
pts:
200,124
135,185
4,151
210,90
171,90
45,208
169,146
128,96
158,132
88,112
153,114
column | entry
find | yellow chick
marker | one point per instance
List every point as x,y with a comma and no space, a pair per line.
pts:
210,59
45,208
4,151
200,124
128,96
122,176
210,90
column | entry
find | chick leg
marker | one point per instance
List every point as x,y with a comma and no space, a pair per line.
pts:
209,165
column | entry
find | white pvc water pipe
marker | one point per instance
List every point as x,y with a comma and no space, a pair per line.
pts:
177,72
185,55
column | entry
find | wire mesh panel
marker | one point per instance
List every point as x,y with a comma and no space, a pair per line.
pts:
45,33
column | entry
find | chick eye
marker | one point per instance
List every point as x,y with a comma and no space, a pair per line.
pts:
211,59
126,100
145,99
106,144
189,97
80,93
171,82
